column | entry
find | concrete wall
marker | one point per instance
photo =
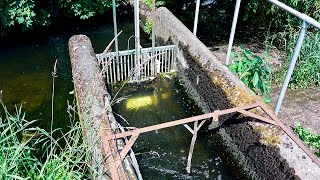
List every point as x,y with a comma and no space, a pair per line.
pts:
263,151
95,113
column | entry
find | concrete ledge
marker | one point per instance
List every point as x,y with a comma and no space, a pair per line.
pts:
91,96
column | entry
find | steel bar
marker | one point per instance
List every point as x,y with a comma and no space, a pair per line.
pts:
128,145
153,34
201,124
291,135
126,63
195,119
181,121
296,13
258,117
193,142
196,17
189,128
292,64
233,29
137,37
115,29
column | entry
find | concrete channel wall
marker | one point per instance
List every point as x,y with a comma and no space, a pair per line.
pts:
263,151
95,114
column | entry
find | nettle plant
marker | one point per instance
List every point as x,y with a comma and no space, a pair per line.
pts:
253,71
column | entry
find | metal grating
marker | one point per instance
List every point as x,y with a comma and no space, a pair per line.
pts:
129,69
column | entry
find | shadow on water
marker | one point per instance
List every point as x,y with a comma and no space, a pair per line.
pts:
26,65
163,154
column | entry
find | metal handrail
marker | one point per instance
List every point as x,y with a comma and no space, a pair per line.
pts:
306,21
298,14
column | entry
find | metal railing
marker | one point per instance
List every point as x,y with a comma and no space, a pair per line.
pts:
127,68
306,21
199,122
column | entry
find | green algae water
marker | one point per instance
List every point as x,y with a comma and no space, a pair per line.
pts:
163,154
26,65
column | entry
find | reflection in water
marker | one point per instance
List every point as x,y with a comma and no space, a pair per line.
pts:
163,154
26,66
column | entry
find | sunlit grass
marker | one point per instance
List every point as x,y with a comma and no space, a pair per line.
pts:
29,152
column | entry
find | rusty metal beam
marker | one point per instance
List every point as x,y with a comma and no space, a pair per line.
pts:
244,110
180,122
296,139
258,117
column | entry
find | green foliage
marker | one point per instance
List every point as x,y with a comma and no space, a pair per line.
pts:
85,9
149,3
307,69
148,26
253,71
311,139
28,14
262,11
20,13
20,141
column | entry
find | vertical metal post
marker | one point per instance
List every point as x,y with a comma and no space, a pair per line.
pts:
137,37
153,37
115,29
193,141
196,16
294,59
233,29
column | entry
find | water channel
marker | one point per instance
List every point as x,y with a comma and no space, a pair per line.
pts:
163,154
26,65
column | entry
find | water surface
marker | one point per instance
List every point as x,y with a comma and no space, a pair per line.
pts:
26,65
163,154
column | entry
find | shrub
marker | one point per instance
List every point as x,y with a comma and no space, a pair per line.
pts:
253,71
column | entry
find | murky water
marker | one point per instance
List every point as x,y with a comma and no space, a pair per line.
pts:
163,154
26,65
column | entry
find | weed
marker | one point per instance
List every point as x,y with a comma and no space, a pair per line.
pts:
253,71
149,3
20,141
307,70
148,26
312,140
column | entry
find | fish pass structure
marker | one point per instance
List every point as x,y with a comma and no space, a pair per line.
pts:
139,64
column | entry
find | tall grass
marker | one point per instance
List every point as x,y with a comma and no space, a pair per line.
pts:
29,152
307,69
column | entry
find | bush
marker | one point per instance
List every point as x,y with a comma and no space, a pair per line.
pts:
253,71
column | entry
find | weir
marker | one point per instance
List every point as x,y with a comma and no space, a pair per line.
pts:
214,88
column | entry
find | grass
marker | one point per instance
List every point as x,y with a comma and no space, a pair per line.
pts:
29,152
307,70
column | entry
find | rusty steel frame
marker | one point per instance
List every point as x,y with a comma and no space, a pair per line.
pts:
272,119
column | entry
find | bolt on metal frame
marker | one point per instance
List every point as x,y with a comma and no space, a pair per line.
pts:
306,21
198,123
